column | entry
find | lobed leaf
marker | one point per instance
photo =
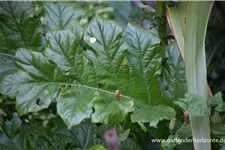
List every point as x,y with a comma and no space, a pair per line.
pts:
153,114
107,53
218,130
83,136
18,26
64,50
9,134
172,79
81,81
7,65
74,105
61,15
144,59
217,102
193,104
32,83
116,110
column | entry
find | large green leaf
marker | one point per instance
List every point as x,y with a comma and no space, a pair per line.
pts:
38,82
78,30
76,104
107,54
61,15
184,132
33,82
82,82
217,102
116,110
7,65
173,81
14,135
9,135
40,138
144,61
193,104
84,135
143,58
153,114
64,50
11,128
218,130
18,26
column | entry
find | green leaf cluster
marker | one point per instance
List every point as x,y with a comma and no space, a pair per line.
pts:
78,69
19,26
217,102
193,103
80,81
15,135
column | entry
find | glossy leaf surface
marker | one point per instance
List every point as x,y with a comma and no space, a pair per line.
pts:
82,82
7,65
19,27
193,104
173,79
153,114
61,15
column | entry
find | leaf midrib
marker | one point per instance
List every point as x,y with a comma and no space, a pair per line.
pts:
85,86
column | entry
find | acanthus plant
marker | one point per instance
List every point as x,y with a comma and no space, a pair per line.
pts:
57,62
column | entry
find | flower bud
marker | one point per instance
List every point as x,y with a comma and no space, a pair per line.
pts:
112,140
186,116
117,94
172,123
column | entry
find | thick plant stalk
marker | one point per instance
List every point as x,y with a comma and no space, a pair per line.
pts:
161,10
189,22
195,62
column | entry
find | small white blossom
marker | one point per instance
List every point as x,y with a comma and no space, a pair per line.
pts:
92,39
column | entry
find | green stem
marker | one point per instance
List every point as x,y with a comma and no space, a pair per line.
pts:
161,11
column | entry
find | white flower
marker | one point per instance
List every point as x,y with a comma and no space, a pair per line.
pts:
92,39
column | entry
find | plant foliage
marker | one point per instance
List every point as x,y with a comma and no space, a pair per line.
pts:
71,77
89,71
